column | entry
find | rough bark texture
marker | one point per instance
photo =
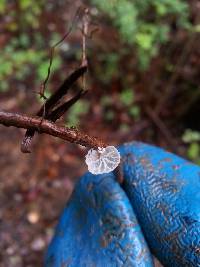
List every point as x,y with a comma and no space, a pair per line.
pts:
44,126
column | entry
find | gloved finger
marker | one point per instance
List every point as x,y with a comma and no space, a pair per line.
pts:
164,190
98,228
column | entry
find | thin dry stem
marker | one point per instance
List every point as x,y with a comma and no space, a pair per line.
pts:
69,134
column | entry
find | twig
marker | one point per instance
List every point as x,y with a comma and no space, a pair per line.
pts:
84,33
58,112
51,103
62,90
52,51
47,111
34,123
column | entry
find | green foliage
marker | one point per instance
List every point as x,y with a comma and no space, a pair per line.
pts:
43,67
197,28
25,55
144,23
16,64
134,112
30,10
192,138
127,97
24,16
110,64
80,108
19,64
2,6
194,152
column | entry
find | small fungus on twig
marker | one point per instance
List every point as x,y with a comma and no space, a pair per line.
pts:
102,160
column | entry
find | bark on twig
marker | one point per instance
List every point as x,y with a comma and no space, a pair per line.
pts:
44,126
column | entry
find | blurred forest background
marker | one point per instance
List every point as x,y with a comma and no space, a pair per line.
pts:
143,83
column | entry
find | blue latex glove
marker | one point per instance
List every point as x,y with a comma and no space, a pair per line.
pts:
100,226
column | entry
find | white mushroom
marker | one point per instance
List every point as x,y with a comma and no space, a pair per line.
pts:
102,160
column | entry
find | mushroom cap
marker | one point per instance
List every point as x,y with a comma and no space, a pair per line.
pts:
103,160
